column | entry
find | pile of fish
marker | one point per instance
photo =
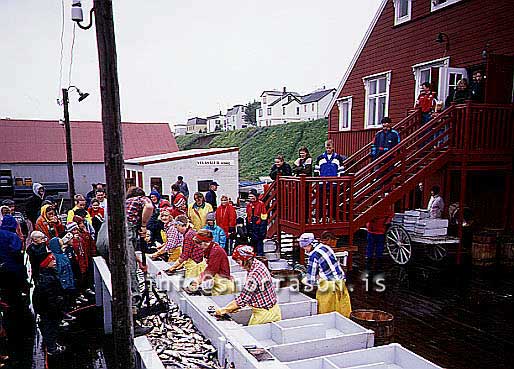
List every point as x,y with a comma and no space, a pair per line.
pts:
178,343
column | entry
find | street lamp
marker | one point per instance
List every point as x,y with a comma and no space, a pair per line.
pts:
67,128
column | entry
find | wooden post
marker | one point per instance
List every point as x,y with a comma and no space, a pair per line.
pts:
69,151
124,353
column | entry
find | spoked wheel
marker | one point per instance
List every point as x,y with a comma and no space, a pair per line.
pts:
436,252
399,244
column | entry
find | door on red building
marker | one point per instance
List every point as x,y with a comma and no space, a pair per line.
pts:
499,79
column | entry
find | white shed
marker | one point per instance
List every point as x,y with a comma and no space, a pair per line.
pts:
199,167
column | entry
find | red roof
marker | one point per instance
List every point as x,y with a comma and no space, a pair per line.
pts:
43,141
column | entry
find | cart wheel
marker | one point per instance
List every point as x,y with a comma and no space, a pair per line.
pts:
398,244
436,252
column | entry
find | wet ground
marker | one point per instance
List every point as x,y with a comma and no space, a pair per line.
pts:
456,316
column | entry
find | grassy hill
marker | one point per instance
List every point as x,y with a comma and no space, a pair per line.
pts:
259,146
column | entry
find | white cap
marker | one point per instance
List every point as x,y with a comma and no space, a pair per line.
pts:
306,239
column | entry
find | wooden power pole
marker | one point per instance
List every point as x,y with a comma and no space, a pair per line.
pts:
69,151
122,320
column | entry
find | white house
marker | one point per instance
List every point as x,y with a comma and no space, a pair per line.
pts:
284,107
216,122
315,104
235,118
199,167
180,129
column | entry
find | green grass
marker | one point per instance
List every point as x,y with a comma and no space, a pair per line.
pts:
259,146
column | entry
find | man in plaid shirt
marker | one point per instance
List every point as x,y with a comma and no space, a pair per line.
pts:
258,291
325,271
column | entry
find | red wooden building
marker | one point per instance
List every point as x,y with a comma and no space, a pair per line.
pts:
410,42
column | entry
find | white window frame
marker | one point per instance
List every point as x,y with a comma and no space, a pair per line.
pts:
366,80
340,102
283,110
268,111
443,64
397,18
434,4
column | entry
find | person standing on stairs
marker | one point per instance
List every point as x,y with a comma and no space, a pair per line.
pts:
324,271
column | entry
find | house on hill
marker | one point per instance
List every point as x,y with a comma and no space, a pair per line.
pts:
235,118
196,125
36,149
285,107
217,122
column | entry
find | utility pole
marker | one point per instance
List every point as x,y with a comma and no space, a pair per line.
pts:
69,151
122,322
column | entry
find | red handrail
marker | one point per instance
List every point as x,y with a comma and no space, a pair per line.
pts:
362,156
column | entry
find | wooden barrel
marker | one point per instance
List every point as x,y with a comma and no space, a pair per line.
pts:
287,277
28,182
18,181
507,253
483,250
381,322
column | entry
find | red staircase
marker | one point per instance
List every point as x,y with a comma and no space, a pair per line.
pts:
467,134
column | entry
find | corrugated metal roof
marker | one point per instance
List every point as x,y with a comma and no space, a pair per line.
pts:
43,141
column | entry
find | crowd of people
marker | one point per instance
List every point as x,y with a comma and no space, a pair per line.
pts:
196,235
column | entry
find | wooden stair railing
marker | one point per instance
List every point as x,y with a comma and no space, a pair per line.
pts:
270,200
400,169
361,157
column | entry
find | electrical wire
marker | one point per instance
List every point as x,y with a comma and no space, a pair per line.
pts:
71,53
62,51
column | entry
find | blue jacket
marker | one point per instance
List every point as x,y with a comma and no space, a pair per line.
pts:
64,269
330,166
11,259
218,235
384,141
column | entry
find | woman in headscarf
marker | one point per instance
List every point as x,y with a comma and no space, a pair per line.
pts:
49,223
33,204
157,200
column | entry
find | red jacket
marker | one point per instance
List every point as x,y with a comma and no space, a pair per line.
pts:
256,212
85,249
93,213
379,224
226,217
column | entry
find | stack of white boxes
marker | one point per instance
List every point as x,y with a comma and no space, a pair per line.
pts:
412,217
432,227
417,222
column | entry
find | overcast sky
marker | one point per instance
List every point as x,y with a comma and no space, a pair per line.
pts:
176,59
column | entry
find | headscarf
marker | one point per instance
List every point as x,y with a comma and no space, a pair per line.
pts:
35,188
44,210
156,194
9,224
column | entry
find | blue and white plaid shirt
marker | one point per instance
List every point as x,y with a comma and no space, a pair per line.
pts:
323,264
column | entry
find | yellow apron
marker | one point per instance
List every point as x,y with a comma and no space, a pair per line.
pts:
222,286
333,296
174,254
194,269
163,236
262,316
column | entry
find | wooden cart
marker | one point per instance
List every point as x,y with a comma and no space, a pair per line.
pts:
399,243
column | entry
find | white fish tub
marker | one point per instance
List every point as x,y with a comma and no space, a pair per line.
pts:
392,356
292,305
312,336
